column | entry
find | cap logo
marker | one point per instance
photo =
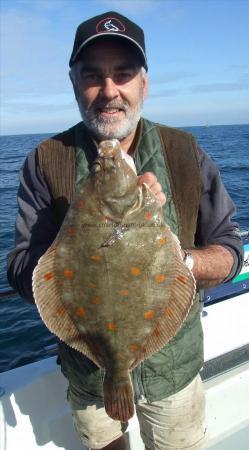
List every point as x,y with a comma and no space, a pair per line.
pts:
109,24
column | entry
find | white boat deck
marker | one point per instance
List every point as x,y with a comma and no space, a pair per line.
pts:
34,412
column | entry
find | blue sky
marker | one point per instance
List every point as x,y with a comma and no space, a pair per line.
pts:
197,54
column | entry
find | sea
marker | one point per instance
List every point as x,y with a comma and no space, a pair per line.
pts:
23,336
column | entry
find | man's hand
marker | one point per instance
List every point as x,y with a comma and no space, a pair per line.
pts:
151,180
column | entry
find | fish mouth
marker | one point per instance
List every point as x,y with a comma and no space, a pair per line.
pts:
109,148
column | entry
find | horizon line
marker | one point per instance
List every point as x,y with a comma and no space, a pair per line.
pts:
206,125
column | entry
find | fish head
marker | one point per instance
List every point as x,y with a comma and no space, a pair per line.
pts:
112,177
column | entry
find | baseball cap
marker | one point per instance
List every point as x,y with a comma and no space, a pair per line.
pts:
108,24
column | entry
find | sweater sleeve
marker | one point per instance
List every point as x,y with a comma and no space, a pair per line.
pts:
36,227
215,224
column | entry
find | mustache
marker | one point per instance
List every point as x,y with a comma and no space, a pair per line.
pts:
116,104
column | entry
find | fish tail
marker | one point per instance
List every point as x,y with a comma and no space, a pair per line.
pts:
119,399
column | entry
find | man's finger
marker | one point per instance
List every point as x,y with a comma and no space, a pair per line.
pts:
161,197
156,188
149,178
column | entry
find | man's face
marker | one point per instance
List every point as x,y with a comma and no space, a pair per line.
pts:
110,88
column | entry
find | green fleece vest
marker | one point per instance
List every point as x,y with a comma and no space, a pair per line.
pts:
172,156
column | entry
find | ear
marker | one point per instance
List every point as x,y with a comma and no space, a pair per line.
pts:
145,85
75,86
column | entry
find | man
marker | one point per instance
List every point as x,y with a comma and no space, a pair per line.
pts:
108,71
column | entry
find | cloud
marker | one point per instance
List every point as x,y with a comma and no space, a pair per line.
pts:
47,5
28,45
158,86
36,109
169,77
239,85
239,66
159,82
164,93
192,112
130,6
169,11
33,57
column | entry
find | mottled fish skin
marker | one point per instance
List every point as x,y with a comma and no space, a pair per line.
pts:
116,297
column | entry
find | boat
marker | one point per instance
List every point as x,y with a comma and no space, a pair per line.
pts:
34,413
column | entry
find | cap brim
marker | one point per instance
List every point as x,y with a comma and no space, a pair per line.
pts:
102,35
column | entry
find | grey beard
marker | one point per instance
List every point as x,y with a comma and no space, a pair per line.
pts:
101,128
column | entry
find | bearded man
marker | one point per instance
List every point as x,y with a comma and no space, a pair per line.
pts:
108,69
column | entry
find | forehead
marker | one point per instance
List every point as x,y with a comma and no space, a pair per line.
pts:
114,51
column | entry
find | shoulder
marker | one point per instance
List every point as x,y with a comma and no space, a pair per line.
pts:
208,167
65,138
53,153
169,131
58,152
62,139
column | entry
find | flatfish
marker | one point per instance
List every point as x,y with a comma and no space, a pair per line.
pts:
113,284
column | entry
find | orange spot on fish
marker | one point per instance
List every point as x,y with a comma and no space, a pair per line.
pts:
81,312
181,278
148,215
48,276
134,348
169,312
148,315
71,231
110,326
96,301
157,333
68,273
161,241
81,204
96,258
60,311
135,271
124,292
159,278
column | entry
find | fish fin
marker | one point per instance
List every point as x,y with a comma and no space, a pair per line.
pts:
47,297
178,301
119,399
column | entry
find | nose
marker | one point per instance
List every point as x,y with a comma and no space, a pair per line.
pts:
109,89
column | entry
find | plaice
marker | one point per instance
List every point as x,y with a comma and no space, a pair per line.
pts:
113,284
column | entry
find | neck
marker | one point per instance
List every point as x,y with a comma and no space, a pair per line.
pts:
132,140
128,142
